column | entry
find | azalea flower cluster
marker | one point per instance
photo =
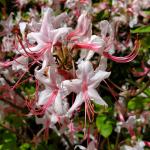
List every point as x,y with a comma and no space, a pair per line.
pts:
58,77
67,61
126,12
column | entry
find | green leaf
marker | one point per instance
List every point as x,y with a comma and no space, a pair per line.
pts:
106,130
147,92
80,135
147,12
3,2
138,102
145,42
104,125
100,120
25,146
8,141
14,120
143,29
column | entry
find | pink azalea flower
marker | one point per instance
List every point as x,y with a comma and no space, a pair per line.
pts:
52,95
91,146
46,37
7,25
128,124
145,71
83,29
138,146
85,86
8,43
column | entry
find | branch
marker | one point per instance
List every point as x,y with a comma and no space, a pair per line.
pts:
142,89
11,104
68,141
11,84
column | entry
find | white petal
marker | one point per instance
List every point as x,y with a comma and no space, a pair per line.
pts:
85,70
93,94
57,34
58,104
40,120
59,19
69,86
20,63
22,26
53,119
91,146
106,28
46,24
79,147
43,97
98,77
98,41
78,102
102,64
83,28
39,75
35,37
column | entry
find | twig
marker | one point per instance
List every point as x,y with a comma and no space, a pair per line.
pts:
108,144
116,86
117,140
142,89
11,104
11,84
9,129
68,141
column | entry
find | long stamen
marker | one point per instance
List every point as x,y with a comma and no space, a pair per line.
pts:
73,33
32,54
46,132
147,143
42,110
18,82
89,108
127,58
131,131
88,46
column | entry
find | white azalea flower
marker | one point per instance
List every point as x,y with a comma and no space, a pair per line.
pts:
85,86
139,146
52,95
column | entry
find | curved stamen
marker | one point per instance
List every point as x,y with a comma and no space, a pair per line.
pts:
46,131
89,108
42,110
145,71
147,143
89,46
124,59
35,55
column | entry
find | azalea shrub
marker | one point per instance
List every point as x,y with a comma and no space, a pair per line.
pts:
75,75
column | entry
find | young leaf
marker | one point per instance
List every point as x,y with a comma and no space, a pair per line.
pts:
143,29
104,126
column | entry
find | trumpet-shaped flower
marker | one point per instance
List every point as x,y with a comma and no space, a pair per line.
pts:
47,36
138,146
83,29
52,95
7,25
85,86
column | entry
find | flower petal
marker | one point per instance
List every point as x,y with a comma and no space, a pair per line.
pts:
69,86
98,77
93,94
85,70
43,97
58,104
78,102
